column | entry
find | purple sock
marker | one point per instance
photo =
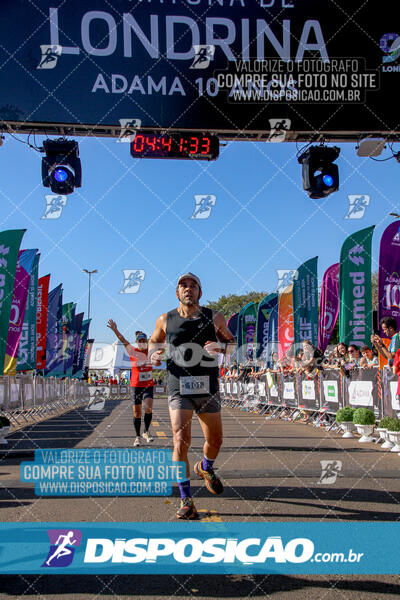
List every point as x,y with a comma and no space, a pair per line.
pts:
184,489
207,464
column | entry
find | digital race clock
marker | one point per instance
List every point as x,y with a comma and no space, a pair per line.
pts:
185,145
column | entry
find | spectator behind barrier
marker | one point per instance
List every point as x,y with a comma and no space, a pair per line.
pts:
368,358
389,328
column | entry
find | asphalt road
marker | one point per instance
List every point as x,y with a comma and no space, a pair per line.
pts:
271,471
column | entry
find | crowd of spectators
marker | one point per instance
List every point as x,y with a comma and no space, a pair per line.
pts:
309,359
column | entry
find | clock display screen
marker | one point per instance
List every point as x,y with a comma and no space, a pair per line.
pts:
188,145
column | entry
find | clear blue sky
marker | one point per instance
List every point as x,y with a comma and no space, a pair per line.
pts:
136,215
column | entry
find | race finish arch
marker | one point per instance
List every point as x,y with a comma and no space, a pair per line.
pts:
236,68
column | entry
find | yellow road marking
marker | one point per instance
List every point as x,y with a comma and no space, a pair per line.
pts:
161,434
156,424
212,515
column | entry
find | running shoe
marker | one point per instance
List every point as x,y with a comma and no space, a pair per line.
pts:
137,441
213,483
187,510
146,436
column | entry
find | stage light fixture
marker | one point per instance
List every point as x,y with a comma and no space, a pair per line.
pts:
61,167
320,174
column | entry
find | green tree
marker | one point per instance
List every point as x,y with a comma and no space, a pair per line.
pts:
232,303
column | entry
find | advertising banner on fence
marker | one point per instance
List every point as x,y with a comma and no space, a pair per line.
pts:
265,309
18,305
328,306
27,342
10,242
361,388
331,390
355,297
285,321
41,321
305,303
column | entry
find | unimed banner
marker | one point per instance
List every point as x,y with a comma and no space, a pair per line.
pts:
285,321
328,306
389,275
10,242
355,290
305,303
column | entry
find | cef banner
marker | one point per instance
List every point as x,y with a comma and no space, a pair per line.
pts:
18,305
305,303
27,343
54,356
355,290
389,275
328,306
265,308
41,321
285,321
249,321
10,242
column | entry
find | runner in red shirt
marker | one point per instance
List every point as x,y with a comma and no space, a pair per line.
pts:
141,382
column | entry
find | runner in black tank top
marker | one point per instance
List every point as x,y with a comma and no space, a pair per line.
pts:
191,333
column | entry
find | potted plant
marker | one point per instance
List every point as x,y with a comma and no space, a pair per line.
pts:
385,425
4,428
364,420
394,434
344,417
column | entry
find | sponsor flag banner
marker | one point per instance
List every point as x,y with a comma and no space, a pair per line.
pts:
82,354
305,303
389,275
328,306
18,305
265,309
232,324
54,356
41,321
249,321
166,548
76,343
68,327
241,354
285,321
27,342
10,242
355,297
272,342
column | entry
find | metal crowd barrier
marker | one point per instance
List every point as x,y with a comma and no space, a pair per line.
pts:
24,398
290,395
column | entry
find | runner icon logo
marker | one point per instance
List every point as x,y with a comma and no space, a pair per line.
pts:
285,278
279,128
357,205
132,280
202,56
62,547
203,205
54,206
128,129
50,54
330,470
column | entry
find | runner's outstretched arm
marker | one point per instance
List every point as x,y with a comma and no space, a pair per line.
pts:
129,348
157,340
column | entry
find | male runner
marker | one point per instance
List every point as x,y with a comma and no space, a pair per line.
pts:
191,332
141,381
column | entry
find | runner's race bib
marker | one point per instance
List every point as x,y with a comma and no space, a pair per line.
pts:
194,385
145,376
